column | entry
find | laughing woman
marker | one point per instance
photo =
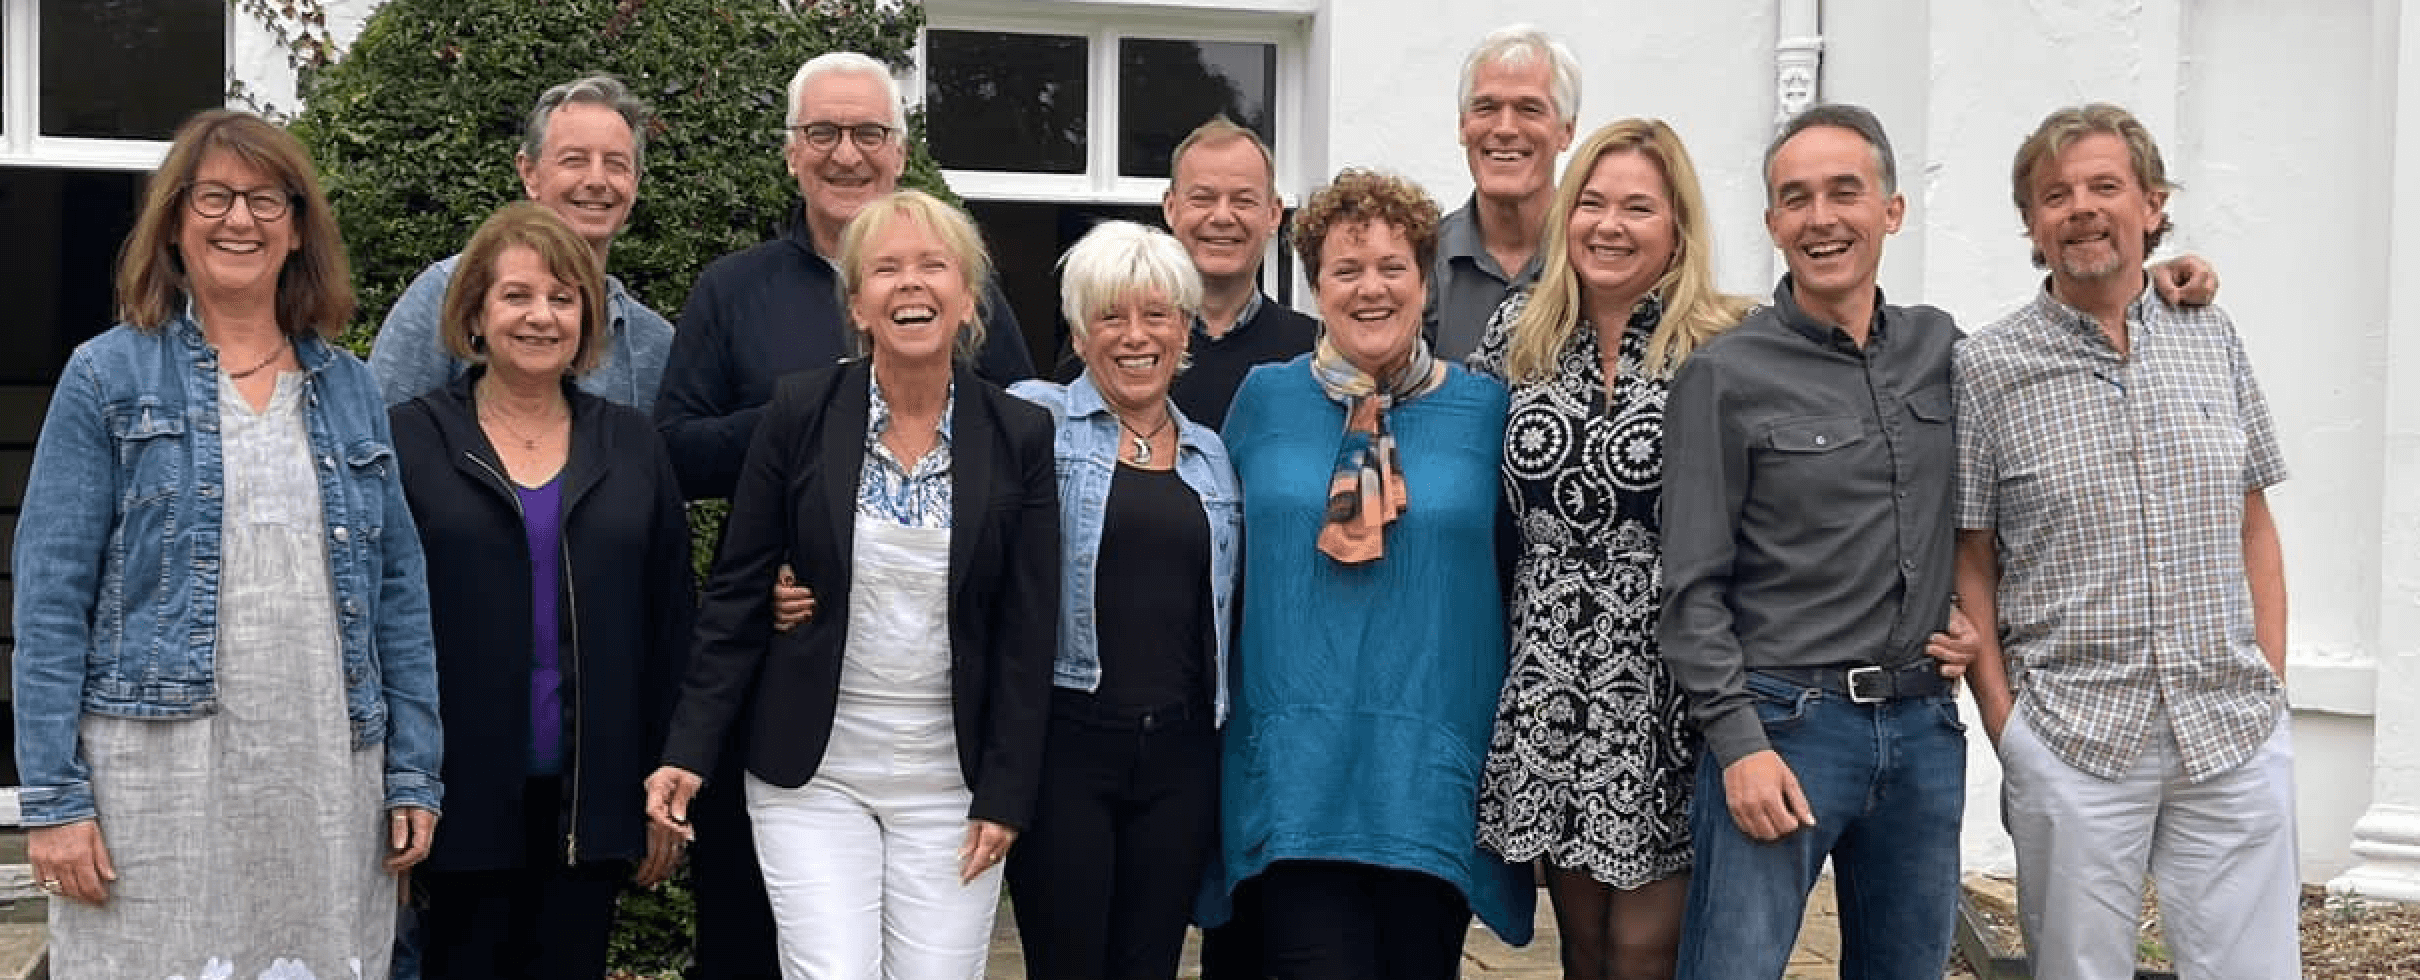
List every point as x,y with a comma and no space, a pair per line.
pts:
560,596
1148,507
893,747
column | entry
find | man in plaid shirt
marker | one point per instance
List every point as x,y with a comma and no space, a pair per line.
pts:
2113,453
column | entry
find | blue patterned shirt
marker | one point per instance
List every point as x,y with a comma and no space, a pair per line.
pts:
917,496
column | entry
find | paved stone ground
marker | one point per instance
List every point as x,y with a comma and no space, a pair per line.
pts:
1483,956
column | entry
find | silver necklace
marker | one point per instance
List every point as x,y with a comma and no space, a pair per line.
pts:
1142,440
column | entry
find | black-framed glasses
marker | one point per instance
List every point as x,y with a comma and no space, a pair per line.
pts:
212,199
826,135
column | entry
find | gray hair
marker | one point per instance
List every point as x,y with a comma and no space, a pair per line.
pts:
846,63
1839,115
597,90
1118,259
1517,44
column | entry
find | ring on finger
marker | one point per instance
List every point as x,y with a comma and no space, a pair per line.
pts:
51,885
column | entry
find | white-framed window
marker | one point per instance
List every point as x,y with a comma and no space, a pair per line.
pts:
1047,116
102,84
90,93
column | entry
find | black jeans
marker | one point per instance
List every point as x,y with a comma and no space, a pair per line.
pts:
734,921
1104,879
1231,951
545,920
1334,920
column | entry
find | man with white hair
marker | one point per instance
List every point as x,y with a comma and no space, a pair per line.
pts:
772,308
1520,97
754,316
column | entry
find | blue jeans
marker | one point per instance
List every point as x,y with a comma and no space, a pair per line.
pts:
1887,783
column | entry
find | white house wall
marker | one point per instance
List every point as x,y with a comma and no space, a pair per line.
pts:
2277,118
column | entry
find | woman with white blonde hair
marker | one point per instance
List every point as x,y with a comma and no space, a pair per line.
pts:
1150,519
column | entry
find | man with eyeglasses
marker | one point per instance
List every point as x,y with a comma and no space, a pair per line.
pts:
773,308
580,156
754,316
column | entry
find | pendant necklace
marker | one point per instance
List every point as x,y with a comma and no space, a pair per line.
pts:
1142,440
528,442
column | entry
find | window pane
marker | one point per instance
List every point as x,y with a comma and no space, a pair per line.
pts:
1166,88
130,69
1026,239
1010,102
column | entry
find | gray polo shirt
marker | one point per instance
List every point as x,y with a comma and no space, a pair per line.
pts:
1467,285
1809,523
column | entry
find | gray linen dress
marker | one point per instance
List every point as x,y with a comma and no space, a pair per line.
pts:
247,842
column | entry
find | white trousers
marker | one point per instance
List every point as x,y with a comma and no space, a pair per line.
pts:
2222,851
861,863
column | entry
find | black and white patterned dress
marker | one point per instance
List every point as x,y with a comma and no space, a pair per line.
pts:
1591,762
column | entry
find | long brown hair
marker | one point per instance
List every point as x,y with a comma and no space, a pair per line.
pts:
314,289
1694,310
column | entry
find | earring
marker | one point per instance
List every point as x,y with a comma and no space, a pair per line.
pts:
479,344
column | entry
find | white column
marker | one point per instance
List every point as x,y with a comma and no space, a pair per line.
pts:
2386,839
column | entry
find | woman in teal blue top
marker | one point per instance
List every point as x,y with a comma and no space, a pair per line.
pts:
1373,642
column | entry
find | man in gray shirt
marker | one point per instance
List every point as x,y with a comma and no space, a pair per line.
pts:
1520,96
1806,567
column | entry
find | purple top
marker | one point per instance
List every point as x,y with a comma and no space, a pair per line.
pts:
542,517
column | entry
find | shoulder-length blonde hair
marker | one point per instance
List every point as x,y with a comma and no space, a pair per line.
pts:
567,257
957,233
314,289
1694,310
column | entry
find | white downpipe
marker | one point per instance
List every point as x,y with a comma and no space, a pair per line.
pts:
1797,58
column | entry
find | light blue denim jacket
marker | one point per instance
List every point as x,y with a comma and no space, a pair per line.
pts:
1087,447
410,360
117,560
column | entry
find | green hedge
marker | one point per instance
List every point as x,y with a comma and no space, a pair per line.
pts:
414,128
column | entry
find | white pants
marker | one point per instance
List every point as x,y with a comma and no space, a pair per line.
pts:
861,863
2222,851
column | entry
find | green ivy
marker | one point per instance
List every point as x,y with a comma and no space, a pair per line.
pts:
414,127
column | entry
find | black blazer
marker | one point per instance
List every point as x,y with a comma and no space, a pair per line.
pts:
624,602
796,501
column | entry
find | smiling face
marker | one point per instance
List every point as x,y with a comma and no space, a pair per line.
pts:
1371,292
530,318
838,182
586,171
911,296
2089,213
1222,207
1132,348
1511,132
1828,211
1621,232
235,253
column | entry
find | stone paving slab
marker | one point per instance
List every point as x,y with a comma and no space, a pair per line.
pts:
1485,956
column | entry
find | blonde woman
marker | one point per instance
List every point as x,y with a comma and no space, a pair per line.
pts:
1591,763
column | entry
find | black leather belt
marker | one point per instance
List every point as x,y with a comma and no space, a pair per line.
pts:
1868,685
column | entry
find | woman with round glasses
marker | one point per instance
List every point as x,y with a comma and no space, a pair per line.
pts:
225,691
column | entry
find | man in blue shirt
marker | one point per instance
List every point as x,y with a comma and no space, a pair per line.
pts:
581,155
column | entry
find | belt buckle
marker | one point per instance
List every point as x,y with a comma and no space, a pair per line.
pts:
1869,685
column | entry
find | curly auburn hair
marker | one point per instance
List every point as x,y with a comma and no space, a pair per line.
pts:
1357,197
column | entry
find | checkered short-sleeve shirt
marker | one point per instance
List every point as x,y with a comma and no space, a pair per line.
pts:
2116,487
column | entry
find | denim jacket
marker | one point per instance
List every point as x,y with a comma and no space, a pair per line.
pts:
117,560
1087,450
